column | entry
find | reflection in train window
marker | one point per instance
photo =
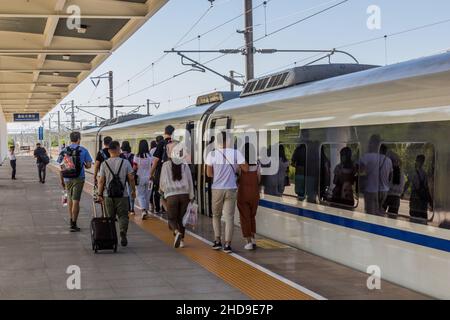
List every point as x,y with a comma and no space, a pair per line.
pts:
338,174
298,162
283,182
134,143
278,184
412,184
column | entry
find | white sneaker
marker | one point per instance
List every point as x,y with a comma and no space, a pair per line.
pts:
248,246
177,240
144,215
254,243
181,244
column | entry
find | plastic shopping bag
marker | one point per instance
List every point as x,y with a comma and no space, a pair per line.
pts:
191,216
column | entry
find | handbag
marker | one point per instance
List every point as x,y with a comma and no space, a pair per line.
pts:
190,218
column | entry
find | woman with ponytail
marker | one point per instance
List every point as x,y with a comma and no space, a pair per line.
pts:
177,188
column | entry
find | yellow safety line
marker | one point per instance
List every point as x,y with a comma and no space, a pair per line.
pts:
251,281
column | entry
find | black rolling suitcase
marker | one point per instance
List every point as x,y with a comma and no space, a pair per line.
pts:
103,231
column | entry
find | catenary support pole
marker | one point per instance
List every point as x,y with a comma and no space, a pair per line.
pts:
249,48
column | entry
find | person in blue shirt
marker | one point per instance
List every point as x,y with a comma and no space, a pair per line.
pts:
74,186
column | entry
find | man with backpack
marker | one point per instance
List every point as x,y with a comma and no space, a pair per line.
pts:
42,160
159,157
114,174
102,155
73,160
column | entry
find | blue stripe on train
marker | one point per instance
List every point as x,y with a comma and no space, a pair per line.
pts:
402,235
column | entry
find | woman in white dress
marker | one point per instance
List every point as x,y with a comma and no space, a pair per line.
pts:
142,166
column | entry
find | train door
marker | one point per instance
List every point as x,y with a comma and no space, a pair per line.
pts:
191,143
206,182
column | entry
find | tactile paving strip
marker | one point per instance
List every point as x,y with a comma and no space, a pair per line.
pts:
251,281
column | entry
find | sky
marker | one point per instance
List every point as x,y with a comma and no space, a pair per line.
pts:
338,27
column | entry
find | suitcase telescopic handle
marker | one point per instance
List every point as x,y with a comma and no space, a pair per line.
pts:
102,205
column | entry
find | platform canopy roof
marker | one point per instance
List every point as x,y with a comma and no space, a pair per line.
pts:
42,59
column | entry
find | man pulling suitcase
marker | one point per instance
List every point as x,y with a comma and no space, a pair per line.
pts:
114,173
103,230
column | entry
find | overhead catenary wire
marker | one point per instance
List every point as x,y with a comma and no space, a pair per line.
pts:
296,22
179,44
160,58
291,24
223,55
361,42
154,85
314,56
196,94
92,94
301,11
222,24
301,20
394,34
218,45
152,65
176,75
276,19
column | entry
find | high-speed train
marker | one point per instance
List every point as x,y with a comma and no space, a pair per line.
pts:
318,111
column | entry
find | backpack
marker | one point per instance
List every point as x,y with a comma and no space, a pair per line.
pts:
104,155
163,159
115,187
44,159
129,157
71,165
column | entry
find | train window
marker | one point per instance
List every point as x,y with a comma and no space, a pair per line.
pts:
411,186
339,174
220,124
279,183
288,181
216,126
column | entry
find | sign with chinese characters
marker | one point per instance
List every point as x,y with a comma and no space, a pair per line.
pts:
18,117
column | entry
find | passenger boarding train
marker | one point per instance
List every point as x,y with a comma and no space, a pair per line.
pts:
332,117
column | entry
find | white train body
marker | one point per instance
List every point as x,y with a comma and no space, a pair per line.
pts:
407,105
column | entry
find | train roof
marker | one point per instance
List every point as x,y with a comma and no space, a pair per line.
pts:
401,86
417,83
191,113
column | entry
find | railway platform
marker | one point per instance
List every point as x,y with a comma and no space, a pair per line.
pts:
37,248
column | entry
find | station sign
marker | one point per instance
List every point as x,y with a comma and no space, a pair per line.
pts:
26,117
41,133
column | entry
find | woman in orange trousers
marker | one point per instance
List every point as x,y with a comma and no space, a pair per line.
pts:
248,197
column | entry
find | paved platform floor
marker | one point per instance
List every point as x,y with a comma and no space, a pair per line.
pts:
327,278
36,248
